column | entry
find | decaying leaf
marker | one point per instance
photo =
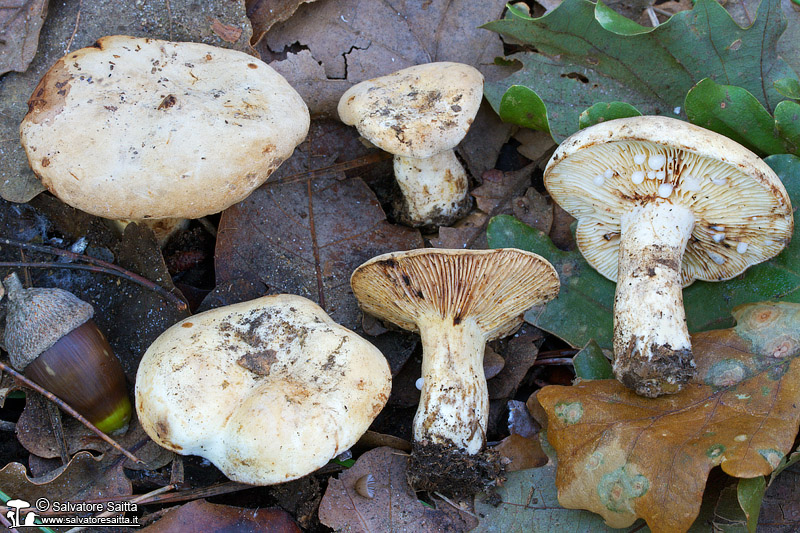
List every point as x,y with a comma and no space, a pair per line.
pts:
35,433
20,23
200,516
263,14
355,40
493,197
83,478
528,504
624,456
521,453
393,505
306,237
73,25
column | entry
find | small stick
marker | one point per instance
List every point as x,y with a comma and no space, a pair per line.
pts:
652,14
338,167
116,271
58,430
72,412
193,494
138,499
452,504
553,361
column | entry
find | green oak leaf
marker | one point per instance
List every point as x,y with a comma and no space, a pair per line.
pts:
587,53
602,111
787,122
583,309
788,87
735,113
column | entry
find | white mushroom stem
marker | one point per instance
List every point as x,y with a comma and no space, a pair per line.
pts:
435,189
454,405
651,341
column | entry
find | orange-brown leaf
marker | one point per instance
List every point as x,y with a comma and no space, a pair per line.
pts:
625,457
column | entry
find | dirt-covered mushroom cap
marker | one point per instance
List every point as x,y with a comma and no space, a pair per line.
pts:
491,287
267,390
135,128
415,112
743,215
457,300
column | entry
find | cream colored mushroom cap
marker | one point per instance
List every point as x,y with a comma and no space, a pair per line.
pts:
267,390
137,128
492,287
743,215
415,112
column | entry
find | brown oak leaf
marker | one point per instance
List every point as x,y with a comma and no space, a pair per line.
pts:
624,456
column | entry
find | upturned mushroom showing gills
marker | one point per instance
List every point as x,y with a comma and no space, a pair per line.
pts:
661,203
141,129
457,300
268,390
420,114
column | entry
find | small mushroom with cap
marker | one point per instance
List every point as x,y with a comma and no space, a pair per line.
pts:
661,203
420,114
268,390
143,129
457,300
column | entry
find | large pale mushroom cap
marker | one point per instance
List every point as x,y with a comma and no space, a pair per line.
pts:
492,287
743,215
415,112
140,128
268,390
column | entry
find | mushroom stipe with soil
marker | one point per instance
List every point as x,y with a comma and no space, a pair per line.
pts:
457,300
661,203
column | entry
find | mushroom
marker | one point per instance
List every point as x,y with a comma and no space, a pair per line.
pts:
457,300
268,390
661,203
141,129
420,114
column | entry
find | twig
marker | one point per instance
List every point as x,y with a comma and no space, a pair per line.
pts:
652,14
75,29
452,504
338,167
138,499
551,354
58,430
72,412
193,494
169,16
105,268
553,361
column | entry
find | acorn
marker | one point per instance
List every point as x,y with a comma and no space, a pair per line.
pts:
51,338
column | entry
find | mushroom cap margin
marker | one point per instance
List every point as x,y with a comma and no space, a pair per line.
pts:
268,390
493,287
741,200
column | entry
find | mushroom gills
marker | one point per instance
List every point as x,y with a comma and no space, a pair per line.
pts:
653,353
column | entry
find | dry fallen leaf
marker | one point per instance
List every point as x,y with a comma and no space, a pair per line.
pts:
83,478
624,456
355,40
393,505
521,452
519,358
494,197
306,237
199,516
20,22
263,14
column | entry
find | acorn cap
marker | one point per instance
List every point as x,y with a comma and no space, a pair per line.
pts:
493,287
743,215
37,318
